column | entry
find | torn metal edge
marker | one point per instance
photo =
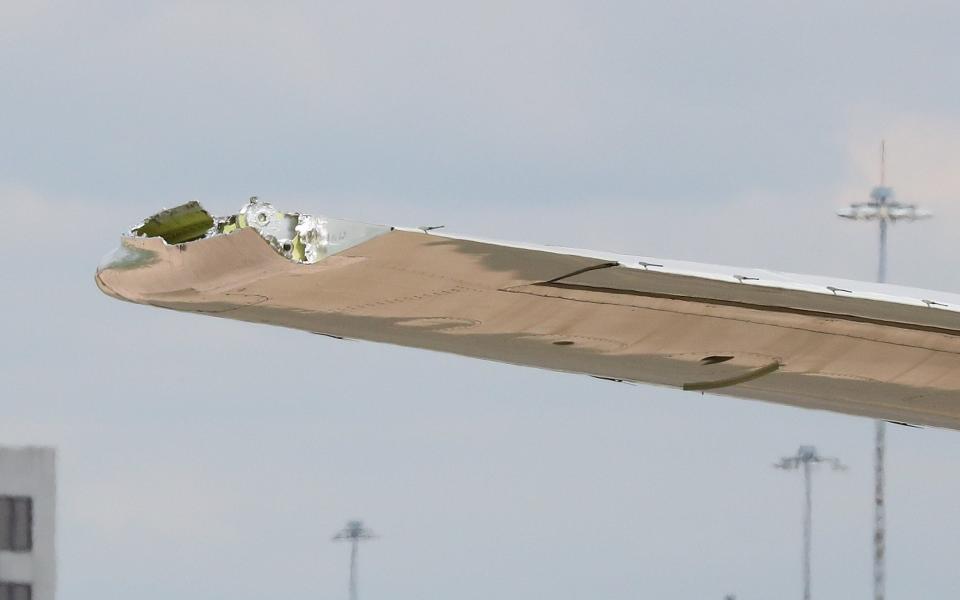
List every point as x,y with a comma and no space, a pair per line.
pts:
301,238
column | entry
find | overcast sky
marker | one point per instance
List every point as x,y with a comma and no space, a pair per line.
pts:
204,458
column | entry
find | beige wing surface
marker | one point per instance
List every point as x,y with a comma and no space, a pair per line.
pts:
863,349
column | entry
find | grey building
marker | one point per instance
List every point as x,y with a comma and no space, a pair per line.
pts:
28,569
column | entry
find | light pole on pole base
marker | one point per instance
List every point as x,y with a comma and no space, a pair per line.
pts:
886,210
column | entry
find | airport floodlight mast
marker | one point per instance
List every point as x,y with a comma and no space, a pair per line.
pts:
884,209
805,458
354,532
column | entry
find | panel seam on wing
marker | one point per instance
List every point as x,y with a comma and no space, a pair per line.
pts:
757,307
513,290
402,299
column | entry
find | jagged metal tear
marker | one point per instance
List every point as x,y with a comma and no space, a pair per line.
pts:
299,237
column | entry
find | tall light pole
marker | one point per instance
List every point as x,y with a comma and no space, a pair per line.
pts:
884,209
354,533
805,458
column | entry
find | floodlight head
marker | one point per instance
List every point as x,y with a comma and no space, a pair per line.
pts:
354,531
882,194
882,206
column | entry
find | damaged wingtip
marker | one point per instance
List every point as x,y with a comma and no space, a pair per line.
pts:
300,238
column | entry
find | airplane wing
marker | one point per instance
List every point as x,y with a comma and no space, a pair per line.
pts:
873,350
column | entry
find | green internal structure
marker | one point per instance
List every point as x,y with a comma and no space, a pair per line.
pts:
184,223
